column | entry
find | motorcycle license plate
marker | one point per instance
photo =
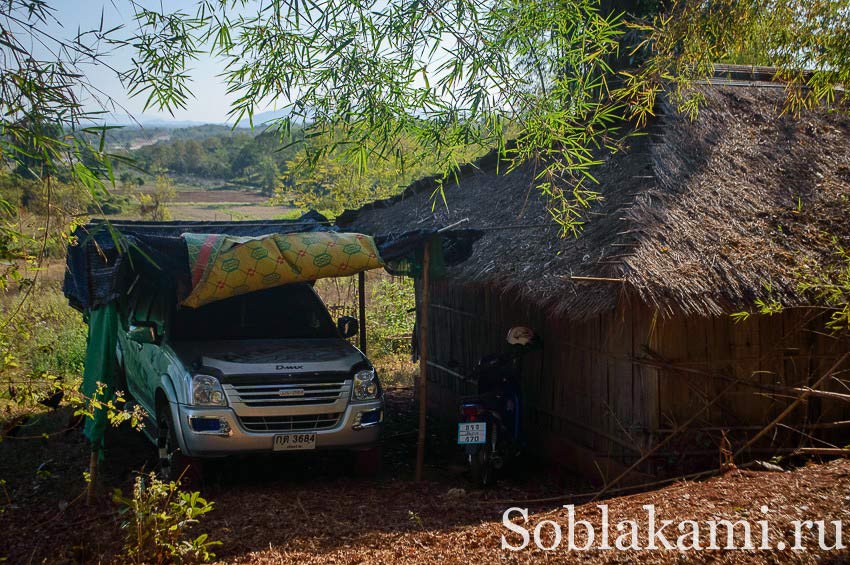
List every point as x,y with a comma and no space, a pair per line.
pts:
294,442
470,433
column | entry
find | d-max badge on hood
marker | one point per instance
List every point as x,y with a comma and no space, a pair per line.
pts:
288,367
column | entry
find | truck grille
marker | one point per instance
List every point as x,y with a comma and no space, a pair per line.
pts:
289,423
289,393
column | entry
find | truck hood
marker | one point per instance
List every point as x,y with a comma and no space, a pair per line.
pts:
284,356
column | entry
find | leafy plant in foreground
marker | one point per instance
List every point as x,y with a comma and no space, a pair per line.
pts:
157,520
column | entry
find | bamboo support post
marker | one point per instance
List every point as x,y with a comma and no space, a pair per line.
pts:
423,359
361,298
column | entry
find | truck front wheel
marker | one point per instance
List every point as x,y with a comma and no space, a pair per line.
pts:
172,464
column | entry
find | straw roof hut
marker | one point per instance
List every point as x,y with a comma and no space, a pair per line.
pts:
699,219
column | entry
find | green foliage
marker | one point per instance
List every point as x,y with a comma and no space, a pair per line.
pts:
158,519
212,157
47,337
830,285
114,406
331,180
561,79
390,317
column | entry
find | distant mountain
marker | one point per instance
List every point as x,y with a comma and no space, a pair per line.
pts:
263,118
165,123
162,122
158,122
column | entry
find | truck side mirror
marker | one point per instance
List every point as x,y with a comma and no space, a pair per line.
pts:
347,326
143,335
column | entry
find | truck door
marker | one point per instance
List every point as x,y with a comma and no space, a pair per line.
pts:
151,354
137,355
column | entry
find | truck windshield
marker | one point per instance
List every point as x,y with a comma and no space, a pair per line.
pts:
284,312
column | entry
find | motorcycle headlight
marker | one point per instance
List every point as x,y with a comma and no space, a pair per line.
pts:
207,391
365,385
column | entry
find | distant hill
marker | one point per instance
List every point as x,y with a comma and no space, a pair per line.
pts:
135,137
271,115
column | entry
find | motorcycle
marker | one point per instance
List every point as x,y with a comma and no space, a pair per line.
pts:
490,423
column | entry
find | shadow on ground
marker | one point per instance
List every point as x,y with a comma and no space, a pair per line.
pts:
308,501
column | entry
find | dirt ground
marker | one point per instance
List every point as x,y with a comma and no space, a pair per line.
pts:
312,510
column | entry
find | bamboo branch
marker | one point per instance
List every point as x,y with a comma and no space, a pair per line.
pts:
790,408
666,440
593,279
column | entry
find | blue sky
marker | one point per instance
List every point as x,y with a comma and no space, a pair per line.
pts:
210,103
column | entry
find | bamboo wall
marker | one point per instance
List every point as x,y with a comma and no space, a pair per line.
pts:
604,391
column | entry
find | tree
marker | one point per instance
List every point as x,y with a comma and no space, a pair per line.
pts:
155,204
269,176
45,133
558,79
126,179
551,81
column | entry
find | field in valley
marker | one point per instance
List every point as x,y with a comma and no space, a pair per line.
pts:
201,200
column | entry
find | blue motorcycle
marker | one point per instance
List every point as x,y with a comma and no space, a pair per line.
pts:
490,423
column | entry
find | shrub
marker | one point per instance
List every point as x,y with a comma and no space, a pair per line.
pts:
157,521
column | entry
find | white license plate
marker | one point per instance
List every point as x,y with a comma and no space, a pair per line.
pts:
471,433
294,442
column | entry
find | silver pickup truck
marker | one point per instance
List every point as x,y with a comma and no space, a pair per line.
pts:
266,371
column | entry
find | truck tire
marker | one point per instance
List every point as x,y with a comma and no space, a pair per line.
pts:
367,462
172,464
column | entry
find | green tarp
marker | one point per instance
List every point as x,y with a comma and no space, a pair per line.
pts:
100,368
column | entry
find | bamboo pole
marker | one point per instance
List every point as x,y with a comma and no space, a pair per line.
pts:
361,298
664,441
790,408
423,359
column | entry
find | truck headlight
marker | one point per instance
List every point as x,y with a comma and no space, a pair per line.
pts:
207,391
365,385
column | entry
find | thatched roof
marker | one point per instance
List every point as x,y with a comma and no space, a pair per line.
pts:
698,216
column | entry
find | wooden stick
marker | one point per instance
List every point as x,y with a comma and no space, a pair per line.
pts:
423,359
823,393
836,451
454,225
790,408
92,476
446,370
593,279
814,426
361,298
